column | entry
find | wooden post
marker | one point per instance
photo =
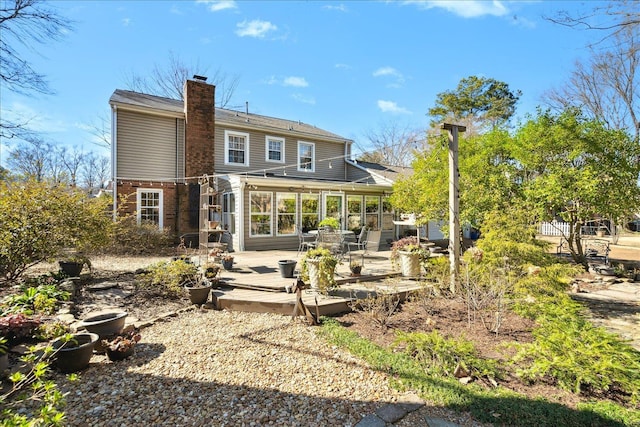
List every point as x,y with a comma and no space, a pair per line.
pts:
454,203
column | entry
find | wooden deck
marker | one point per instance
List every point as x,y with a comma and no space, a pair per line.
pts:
255,284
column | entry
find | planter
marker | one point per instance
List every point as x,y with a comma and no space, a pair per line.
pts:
115,355
409,263
287,267
318,277
4,362
198,294
71,268
74,356
227,264
105,324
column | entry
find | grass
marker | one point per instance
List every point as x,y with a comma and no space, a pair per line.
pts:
498,406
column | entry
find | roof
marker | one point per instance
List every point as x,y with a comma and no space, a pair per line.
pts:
230,117
390,172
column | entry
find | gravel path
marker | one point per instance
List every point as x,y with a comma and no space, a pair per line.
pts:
227,369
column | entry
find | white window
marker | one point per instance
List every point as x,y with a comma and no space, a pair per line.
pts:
310,211
306,156
260,213
236,148
229,212
287,211
372,210
387,214
274,149
149,206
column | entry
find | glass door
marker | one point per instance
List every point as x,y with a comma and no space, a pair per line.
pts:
333,206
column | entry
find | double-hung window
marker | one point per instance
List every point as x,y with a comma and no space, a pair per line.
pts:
236,148
260,213
149,206
372,209
306,156
274,149
287,212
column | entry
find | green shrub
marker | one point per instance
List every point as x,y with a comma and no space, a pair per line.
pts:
132,238
167,277
442,356
42,299
39,220
571,351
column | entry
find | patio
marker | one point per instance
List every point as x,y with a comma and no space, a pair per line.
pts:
255,284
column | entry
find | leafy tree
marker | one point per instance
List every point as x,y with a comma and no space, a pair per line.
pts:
477,103
39,221
488,177
578,170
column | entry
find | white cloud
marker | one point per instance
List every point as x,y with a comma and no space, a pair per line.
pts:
340,7
465,8
33,120
255,28
391,107
295,81
304,99
343,66
218,5
126,21
390,72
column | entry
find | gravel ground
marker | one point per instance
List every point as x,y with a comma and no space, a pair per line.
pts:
227,369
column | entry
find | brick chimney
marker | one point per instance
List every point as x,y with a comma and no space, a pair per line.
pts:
199,110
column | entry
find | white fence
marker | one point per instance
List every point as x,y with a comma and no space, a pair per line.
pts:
554,228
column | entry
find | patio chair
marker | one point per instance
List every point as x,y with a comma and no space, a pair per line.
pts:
305,241
360,243
332,240
371,245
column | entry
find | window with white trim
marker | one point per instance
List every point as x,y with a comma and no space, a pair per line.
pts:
229,212
310,205
260,213
286,209
372,210
387,214
306,156
149,206
274,149
236,148
354,212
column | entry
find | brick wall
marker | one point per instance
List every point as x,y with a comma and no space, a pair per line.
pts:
199,127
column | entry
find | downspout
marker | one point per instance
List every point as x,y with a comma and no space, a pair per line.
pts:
114,139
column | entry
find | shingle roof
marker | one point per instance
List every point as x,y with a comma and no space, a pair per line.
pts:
230,117
387,171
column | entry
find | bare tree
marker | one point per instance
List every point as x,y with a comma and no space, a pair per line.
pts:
100,128
23,25
607,86
31,159
393,144
168,80
95,171
72,160
612,18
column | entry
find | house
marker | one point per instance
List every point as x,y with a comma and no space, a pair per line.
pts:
266,175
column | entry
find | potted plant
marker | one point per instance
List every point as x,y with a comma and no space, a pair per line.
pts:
198,291
329,222
408,253
72,265
216,254
4,356
355,267
121,346
227,261
73,351
318,269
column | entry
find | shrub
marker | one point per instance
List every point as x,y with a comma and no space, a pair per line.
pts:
569,350
41,299
442,356
16,327
39,220
167,277
131,238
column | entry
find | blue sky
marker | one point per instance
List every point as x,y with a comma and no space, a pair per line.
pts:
346,67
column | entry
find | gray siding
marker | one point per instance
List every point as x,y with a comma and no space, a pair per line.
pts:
148,146
257,162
